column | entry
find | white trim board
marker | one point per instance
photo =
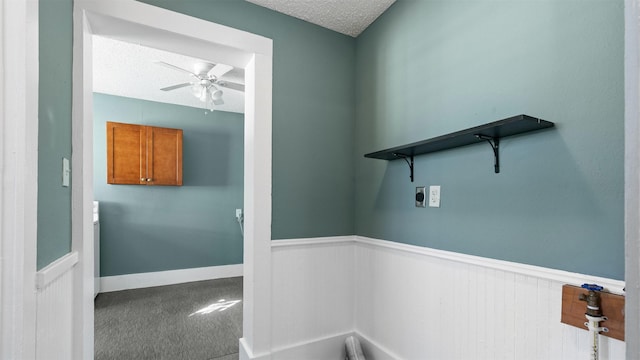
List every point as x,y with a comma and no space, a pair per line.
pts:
614,286
374,350
331,347
611,285
327,347
329,240
246,353
169,277
632,175
18,177
52,271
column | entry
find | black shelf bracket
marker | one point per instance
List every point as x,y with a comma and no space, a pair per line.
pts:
410,163
495,145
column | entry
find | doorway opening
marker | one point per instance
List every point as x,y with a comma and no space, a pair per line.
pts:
155,236
144,24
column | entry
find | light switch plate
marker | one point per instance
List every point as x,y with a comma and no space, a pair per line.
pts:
66,172
434,196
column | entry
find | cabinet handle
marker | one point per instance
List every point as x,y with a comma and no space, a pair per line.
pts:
142,179
148,179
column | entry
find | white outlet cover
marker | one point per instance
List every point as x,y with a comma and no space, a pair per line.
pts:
434,196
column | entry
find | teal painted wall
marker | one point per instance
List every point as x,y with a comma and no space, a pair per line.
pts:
156,228
423,69
313,112
427,68
54,129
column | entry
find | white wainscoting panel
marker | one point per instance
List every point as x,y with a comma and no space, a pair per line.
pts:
419,303
54,309
313,297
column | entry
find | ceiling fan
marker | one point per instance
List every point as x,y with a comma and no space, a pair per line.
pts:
206,82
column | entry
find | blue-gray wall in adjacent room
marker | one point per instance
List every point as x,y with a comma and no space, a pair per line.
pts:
427,68
313,116
54,129
156,228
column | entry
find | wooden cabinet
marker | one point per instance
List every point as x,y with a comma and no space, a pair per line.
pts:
143,155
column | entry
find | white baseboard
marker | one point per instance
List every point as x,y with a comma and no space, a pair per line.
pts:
330,347
373,350
170,277
245,352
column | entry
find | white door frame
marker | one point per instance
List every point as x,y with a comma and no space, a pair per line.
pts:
632,178
137,22
19,182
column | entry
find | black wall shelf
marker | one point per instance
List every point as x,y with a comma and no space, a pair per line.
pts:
491,132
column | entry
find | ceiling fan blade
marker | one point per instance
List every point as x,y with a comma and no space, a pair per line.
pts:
219,70
167,65
231,85
169,88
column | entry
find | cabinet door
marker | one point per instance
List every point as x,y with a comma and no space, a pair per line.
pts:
164,156
126,148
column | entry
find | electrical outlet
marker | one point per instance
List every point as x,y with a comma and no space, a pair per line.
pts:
238,213
420,196
434,196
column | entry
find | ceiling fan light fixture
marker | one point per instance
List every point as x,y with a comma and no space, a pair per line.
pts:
216,94
203,88
203,94
196,90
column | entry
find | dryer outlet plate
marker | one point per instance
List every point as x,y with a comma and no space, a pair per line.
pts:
421,196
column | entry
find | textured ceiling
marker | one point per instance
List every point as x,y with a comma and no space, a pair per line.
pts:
125,69
349,17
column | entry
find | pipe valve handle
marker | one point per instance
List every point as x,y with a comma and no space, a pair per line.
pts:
592,287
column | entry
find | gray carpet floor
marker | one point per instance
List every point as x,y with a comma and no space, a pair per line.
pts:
195,321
